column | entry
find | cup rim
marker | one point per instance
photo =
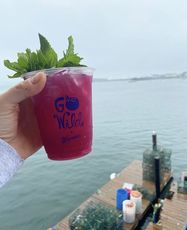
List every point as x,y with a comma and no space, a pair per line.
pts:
72,69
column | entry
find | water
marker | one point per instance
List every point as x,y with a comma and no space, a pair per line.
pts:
125,113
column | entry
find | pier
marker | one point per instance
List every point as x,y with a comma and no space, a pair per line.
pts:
107,194
174,213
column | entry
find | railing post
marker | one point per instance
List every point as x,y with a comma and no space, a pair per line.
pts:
157,177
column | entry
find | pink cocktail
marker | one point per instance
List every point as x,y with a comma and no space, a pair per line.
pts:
64,112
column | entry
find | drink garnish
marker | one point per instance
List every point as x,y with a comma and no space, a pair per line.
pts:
44,58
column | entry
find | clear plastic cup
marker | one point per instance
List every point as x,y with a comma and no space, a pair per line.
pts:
64,112
129,211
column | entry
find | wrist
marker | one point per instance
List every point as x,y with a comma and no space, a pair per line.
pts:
14,144
19,149
9,148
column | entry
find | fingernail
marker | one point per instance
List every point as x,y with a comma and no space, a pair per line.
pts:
36,78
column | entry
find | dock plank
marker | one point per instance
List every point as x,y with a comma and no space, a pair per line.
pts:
107,193
175,210
174,213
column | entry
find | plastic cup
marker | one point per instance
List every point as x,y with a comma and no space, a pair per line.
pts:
136,196
121,195
129,211
64,112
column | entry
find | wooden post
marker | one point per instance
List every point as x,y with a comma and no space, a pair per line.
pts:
154,140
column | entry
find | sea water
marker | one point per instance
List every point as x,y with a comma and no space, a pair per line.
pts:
124,116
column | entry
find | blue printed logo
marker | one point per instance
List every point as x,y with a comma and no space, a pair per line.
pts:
59,104
72,103
67,116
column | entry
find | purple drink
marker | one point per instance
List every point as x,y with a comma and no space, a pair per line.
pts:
64,112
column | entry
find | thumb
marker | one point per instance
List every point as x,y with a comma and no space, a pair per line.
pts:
25,89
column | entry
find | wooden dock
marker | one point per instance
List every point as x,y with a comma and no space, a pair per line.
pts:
174,213
107,194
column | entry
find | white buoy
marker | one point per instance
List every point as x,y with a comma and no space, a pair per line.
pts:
112,176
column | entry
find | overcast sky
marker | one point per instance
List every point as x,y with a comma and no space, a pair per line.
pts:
119,38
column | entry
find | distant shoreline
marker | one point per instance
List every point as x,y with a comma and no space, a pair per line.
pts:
146,78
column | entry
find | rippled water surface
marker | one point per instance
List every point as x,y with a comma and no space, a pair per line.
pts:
125,113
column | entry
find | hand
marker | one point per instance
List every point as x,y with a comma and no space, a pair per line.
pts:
18,125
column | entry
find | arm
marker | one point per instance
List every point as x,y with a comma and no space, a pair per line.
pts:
19,132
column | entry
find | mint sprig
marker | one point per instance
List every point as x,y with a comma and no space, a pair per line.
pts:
70,58
49,57
44,58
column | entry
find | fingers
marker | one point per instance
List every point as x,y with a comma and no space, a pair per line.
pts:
25,89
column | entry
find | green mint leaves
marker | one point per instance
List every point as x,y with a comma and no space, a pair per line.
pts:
46,53
44,58
70,58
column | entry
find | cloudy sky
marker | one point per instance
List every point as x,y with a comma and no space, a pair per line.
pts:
119,38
